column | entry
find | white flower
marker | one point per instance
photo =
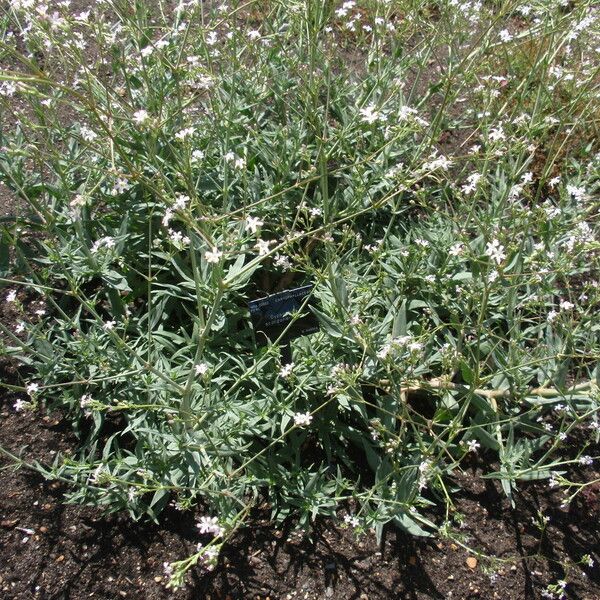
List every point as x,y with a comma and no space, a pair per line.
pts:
252,224
106,241
471,185
263,247
109,325
527,177
302,419
19,405
121,185
254,35
167,217
414,346
586,460
201,368
141,116
87,134
282,261
554,182
552,316
497,134
505,35
183,134
32,388
456,249
210,525
437,162
370,115
197,156
181,202
20,327
238,163
473,445
406,112
213,256
178,238
577,192
352,520
566,305
11,296
495,250
7,89
286,370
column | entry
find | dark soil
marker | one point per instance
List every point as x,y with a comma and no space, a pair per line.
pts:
49,550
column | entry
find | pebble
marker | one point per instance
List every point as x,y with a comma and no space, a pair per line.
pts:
60,558
9,523
43,529
471,562
158,579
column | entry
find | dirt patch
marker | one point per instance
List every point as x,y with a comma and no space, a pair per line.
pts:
50,550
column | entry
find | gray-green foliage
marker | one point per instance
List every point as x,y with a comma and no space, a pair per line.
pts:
456,294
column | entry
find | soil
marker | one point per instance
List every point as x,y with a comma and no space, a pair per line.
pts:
51,550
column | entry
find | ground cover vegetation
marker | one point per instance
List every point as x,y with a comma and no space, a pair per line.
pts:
429,167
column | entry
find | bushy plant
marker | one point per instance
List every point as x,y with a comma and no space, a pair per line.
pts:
436,185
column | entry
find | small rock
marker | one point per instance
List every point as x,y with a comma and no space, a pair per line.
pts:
450,577
329,592
412,560
60,558
43,529
363,596
158,579
471,562
454,546
9,523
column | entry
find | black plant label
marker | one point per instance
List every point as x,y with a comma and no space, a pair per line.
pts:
272,315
